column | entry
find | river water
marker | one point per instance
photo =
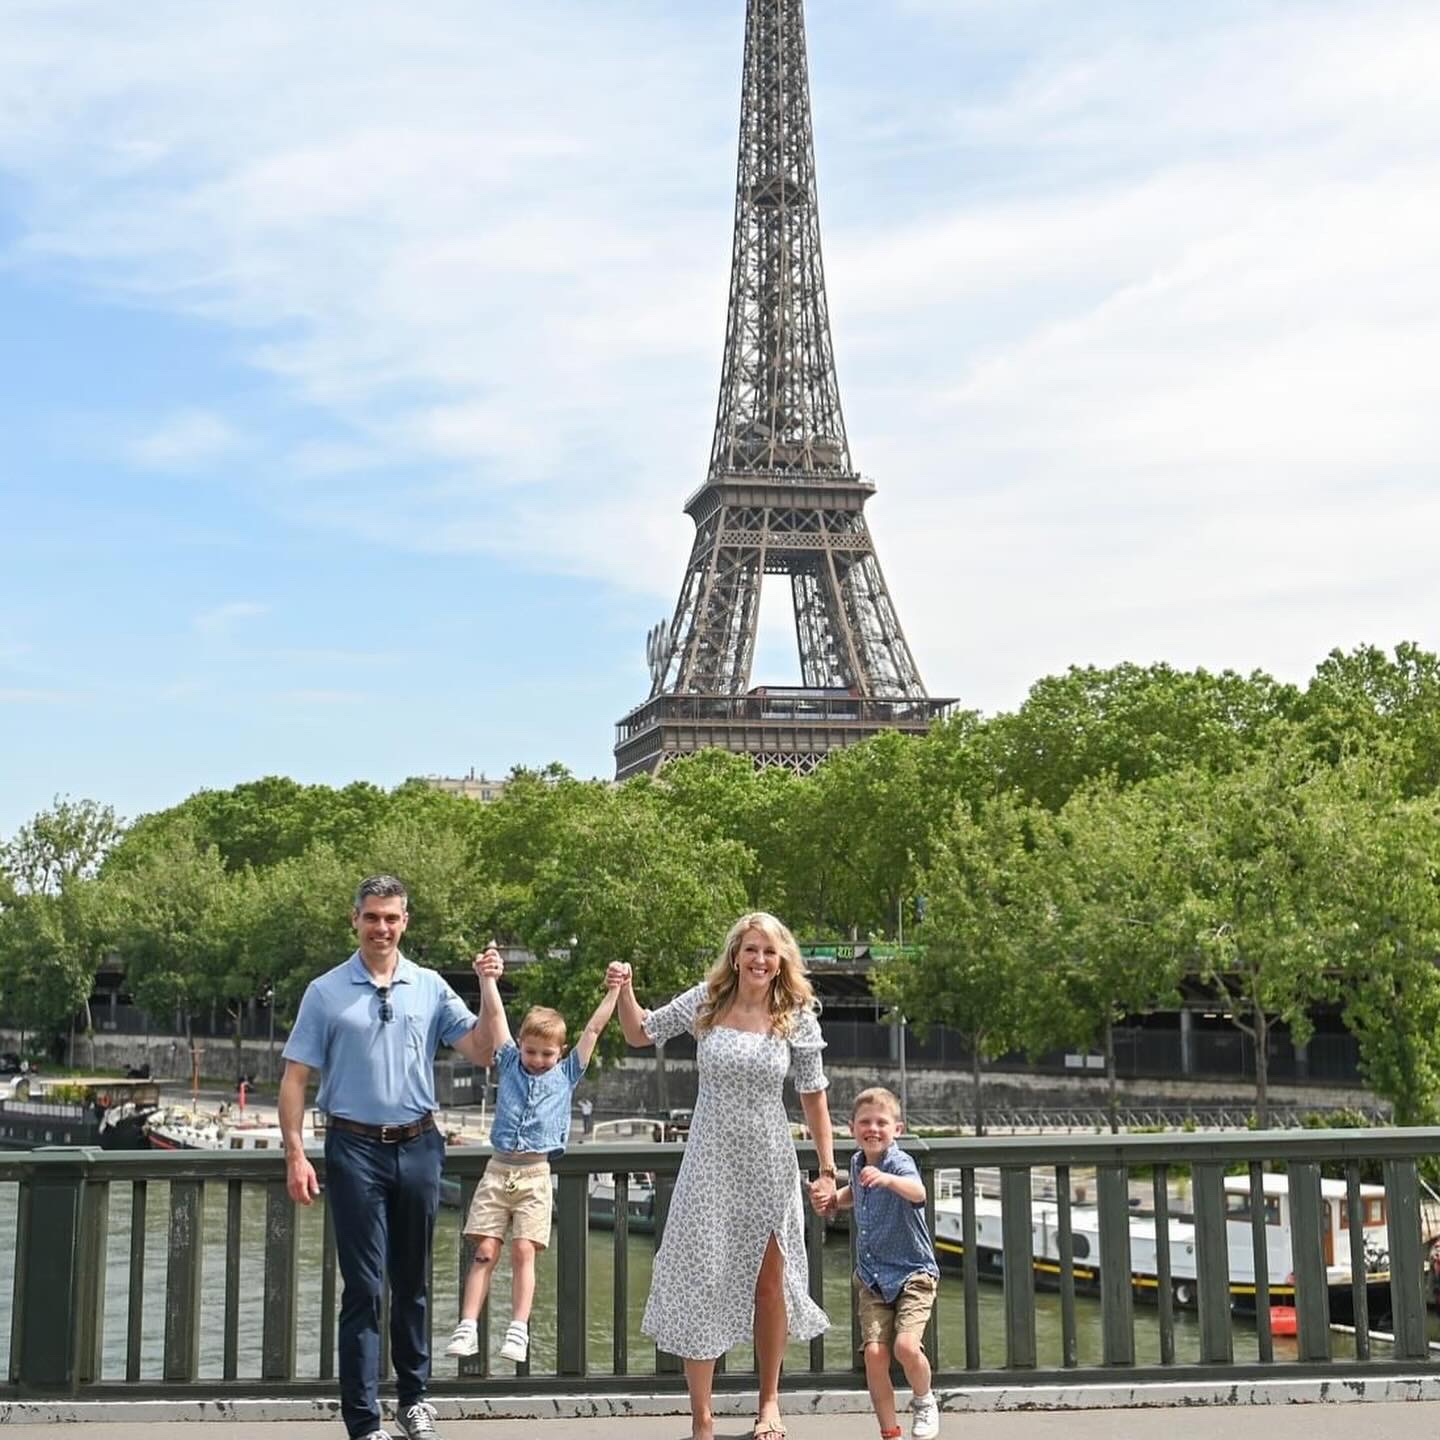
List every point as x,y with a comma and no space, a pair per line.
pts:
448,1248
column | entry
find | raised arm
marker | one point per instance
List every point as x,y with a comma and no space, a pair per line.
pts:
590,1035
493,1031
632,1017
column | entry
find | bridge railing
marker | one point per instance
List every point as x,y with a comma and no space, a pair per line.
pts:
74,1281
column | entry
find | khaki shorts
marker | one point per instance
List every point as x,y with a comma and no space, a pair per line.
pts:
507,1195
909,1315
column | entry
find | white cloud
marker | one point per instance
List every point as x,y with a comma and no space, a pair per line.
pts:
190,440
1141,358
222,619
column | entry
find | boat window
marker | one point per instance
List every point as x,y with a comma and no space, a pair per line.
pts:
1372,1209
1237,1206
236,1143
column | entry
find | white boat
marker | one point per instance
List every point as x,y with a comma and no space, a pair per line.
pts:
1144,1269
182,1127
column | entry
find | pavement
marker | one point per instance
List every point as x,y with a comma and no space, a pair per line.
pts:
1376,1420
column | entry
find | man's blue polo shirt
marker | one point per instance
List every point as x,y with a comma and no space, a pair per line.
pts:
376,1071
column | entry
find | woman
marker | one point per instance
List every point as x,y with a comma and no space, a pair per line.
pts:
732,1262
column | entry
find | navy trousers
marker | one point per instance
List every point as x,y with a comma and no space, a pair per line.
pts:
383,1200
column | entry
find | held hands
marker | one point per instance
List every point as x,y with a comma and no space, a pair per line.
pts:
489,966
822,1195
618,975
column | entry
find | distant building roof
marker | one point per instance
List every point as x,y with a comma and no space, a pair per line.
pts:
471,786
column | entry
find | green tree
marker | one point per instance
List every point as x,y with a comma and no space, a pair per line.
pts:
262,822
294,922
54,929
622,885
1104,940
1384,862
1367,701
59,846
48,959
974,974
1131,722
180,932
1249,850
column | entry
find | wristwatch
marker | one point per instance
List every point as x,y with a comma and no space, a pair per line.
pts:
829,1170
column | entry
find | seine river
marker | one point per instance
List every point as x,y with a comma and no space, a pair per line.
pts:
641,1351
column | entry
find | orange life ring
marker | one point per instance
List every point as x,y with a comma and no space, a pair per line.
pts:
103,1099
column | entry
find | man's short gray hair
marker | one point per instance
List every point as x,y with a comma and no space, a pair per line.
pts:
381,885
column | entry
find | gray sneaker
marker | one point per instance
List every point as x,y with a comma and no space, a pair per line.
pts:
418,1421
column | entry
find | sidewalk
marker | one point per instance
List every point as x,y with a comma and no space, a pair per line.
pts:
1418,1420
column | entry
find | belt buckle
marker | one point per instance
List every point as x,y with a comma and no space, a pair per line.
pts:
391,1134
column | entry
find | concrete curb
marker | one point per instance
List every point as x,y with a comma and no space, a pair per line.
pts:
1170,1394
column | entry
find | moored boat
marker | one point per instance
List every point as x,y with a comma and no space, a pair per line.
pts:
105,1110
1144,1268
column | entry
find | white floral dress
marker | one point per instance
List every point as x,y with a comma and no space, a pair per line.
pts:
739,1183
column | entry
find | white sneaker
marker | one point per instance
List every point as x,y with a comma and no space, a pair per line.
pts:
465,1340
517,1342
926,1422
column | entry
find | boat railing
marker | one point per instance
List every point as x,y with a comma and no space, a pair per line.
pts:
86,1263
1071,1119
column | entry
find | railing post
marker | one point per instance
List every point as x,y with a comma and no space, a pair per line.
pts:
1212,1264
90,1286
1164,1292
46,1330
1307,1253
572,1321
183,1279
1117,1298
135,1309
277,1340
1018,1239
1407,1285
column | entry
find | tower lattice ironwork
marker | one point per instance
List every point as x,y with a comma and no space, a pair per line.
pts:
782,496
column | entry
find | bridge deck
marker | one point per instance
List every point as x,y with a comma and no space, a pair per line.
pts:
1416,1420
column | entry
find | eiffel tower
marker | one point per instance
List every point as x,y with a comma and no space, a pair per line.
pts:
782,496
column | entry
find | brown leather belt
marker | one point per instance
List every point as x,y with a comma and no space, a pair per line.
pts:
386,1134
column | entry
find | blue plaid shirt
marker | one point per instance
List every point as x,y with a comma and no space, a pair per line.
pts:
892,1242
532,1112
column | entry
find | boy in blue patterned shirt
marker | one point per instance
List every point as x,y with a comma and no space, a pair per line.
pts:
532,1124
896,1276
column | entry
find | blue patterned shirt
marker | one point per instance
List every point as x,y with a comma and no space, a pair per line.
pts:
532,1112
892,1242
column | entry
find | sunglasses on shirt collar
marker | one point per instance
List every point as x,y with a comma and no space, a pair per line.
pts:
387,1010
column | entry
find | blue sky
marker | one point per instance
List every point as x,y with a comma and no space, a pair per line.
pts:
356,360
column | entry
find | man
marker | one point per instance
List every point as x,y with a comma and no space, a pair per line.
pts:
371,1026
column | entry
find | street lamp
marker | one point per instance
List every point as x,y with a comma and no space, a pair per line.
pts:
269,999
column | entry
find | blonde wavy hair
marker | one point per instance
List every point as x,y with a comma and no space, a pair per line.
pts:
790,990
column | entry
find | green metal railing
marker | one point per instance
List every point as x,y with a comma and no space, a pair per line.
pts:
63,1294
